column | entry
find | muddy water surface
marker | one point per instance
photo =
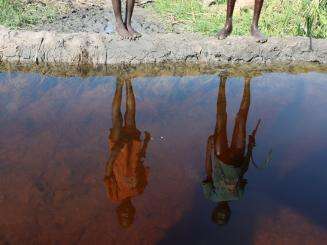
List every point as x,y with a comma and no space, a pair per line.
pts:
163,160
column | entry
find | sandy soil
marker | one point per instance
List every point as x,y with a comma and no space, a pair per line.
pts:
85,35
97,16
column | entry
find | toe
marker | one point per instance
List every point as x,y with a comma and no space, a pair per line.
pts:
261,39
264,40
222,36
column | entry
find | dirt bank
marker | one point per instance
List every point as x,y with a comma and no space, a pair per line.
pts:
79,38
101,49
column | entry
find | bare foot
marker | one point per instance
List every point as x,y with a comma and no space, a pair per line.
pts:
134,33
258,36
225,32
123,32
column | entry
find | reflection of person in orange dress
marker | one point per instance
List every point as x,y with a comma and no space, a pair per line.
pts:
225,180
126,176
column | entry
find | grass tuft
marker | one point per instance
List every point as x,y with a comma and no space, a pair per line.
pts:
16,14
279,17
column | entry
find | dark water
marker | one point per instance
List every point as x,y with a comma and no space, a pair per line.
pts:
105,161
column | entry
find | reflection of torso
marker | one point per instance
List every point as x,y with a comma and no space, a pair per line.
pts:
224,186
225,180
129,176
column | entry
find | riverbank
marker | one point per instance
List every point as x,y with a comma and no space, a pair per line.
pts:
49,47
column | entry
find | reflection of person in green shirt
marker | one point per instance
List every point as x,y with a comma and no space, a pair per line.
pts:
225,179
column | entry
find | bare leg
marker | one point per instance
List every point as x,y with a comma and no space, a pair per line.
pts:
227,30
128,18
117,119
120,27
130,106
255,32
220,135
115,133
239,133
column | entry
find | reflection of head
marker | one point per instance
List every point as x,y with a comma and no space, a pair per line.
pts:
125,213
221,213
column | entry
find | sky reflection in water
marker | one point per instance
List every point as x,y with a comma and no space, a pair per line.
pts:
113,161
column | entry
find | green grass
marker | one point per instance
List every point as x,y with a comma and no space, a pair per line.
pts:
14,14
279,17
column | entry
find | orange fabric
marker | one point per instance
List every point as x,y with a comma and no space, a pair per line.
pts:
129,176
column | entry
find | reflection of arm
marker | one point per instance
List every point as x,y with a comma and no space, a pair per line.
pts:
247,158
251,145
243,182
112,158
208,161
145,144
207,184
208,188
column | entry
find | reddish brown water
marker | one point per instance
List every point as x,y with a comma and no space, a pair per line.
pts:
56,143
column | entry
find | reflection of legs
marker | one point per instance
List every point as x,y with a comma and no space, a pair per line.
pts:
115,133
117,119
239,134
227,29
130,106
220,141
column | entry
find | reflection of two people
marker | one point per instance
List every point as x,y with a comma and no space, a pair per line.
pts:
126,176
225,174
